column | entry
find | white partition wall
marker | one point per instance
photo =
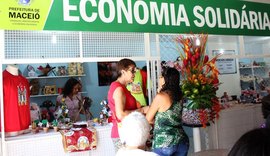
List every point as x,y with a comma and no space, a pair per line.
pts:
233,123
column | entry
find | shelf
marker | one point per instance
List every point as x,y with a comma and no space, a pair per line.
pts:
252,67
42,95
246,81
54,77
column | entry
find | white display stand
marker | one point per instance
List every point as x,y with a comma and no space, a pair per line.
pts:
233,123
50,144
196,139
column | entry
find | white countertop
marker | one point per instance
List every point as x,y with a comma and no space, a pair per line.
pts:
50,133
240,106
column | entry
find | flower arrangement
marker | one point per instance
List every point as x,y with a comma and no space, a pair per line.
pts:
200,77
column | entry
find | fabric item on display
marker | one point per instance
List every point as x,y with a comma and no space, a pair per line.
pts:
136,88
16,93
79,139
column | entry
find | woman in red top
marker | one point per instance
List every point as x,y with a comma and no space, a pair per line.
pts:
121,102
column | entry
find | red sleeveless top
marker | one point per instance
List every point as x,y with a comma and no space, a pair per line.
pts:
130,105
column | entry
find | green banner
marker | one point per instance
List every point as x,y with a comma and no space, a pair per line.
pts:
229,17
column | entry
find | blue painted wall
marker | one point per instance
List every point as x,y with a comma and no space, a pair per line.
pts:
90,83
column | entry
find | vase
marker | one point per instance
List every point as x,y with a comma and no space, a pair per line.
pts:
191,118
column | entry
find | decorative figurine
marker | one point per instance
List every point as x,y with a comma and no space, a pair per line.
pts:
80,70
61,71
31,71
105,112
72,68
46,70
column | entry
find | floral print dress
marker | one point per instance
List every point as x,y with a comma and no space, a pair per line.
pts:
168,128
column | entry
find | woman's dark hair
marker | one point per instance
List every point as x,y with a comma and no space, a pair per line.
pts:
124,65
68,88
172,83
255,142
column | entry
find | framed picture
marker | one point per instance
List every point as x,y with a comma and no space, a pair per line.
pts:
225,65
106,73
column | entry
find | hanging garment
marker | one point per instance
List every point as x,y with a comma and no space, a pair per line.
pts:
16,93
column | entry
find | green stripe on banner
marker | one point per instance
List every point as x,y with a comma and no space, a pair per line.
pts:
228,17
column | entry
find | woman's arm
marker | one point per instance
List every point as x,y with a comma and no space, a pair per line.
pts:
160,103
120,101
154,107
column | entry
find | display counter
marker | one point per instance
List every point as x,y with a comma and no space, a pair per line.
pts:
233,123
50,144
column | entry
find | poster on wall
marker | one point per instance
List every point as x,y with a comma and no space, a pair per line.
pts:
225,65
106,73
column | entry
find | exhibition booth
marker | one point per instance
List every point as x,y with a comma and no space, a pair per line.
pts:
84,39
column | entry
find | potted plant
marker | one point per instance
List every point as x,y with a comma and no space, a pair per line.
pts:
45,125
200,80
55,125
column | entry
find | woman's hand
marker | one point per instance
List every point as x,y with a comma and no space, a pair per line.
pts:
143,110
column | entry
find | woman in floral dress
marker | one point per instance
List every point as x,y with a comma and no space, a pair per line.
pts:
165,112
